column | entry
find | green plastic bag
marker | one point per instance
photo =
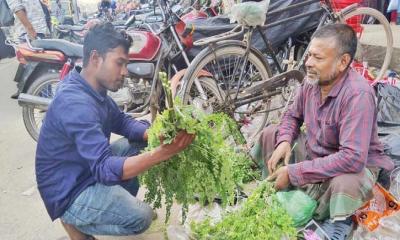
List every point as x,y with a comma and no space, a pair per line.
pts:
299,206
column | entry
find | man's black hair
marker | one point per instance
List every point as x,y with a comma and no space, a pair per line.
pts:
103,38
345,36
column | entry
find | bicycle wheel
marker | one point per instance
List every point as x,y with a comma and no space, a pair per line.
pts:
375,45
214,96
45,86
224,64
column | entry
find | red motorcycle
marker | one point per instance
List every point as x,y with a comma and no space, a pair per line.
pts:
157,46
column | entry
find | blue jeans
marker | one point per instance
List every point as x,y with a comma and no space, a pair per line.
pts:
111,210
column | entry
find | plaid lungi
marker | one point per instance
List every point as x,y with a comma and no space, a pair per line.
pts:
337,197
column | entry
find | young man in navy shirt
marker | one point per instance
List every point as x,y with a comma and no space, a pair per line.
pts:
83,180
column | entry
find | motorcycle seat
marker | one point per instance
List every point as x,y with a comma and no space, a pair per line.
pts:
72,50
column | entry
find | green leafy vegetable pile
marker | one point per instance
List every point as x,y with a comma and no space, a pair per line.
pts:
260,217
209,168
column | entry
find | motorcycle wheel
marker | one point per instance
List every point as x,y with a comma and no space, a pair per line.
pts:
44,86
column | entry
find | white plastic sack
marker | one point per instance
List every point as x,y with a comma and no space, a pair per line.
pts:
389,228
250,13
196,213
178,232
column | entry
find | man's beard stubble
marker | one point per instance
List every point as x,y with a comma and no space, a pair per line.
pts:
113,86
318,81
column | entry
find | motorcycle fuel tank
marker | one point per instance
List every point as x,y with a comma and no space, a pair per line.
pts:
145,46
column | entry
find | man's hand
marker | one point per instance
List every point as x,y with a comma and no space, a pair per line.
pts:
282,178
283,151
136,165
181,141
31,32
21,15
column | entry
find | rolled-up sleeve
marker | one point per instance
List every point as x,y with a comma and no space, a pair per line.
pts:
15,5
127,126
355,128
83,126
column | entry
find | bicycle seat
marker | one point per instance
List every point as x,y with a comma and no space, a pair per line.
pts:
70,49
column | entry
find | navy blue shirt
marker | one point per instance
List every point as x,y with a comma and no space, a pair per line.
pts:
73,150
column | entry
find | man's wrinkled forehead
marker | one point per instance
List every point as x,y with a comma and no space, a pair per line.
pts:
329,42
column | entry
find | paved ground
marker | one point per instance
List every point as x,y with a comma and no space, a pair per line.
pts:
372,36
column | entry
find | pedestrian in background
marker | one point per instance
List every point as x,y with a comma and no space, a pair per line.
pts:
30,18
59,12
394,9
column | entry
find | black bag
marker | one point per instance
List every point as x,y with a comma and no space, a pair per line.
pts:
391,145
388,119
5,50
47,15
388,109
6,15
388,104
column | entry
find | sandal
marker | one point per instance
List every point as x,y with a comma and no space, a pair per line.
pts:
338,230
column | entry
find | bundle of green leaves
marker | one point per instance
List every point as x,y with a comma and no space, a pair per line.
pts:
260,217
209,168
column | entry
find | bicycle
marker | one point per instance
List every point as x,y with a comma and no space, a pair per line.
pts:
239,72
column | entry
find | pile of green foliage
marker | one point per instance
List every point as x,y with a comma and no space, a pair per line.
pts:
260,217
209,168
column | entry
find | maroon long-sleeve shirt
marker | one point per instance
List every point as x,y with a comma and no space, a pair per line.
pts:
341,132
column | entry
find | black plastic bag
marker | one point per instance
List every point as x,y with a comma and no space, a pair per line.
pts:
388,119
5,50
6,15
388,105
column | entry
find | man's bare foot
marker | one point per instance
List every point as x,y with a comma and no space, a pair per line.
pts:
74,233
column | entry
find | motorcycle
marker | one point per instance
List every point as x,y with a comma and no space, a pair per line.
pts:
157,47
41,66
76,33
71,33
